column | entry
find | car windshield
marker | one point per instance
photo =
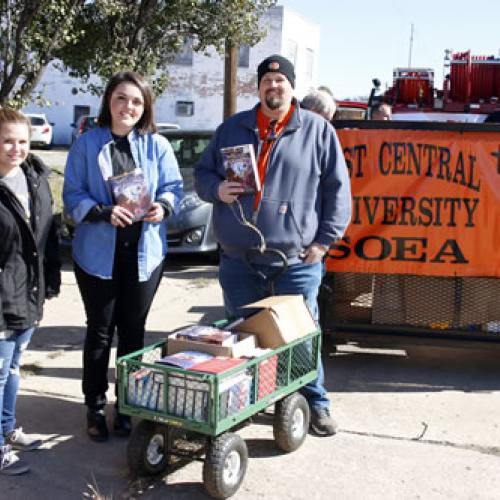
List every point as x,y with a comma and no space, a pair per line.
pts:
36,120
350,114
188,151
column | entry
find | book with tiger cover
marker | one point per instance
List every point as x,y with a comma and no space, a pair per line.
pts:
241,166
130,191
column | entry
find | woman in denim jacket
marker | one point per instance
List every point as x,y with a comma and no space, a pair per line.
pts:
118,255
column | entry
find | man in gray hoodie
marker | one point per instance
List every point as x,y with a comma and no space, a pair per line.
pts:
304,205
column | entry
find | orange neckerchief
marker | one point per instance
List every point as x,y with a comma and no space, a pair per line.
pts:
268,135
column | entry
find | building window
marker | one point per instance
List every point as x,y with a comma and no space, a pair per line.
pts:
79,110
309,63
185,55
244,56
184,108
291,51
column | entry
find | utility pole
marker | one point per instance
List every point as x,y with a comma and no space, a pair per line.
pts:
411,45
230,78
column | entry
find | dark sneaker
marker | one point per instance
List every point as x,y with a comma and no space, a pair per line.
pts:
122,425
322,423
10,463
96,425
21,441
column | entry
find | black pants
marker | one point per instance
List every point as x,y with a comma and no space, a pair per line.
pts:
122,303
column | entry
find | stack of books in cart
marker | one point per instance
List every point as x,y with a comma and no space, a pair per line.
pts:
202,349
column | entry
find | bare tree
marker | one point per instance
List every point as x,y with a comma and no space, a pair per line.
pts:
31,32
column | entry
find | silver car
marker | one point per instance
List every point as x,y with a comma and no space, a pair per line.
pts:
191,229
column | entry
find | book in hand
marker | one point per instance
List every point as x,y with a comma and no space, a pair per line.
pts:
240,165
185,359
130,191
207,334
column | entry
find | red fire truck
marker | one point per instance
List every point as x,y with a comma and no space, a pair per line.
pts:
470,91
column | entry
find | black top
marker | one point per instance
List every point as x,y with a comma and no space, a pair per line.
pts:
127,238
121,155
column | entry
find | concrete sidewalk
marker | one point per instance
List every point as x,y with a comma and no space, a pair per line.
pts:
411,427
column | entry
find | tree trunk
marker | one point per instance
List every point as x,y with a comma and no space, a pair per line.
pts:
230,78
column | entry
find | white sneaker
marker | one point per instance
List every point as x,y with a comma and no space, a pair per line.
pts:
10,463
21,441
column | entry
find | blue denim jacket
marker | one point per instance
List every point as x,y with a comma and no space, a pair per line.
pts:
88,167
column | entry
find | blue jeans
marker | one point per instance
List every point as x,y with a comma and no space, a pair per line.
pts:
241,286
12,345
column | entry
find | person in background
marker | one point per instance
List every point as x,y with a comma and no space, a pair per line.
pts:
320,102
381,111
304,205
29,271
118,260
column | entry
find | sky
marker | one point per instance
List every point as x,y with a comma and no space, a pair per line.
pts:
361,40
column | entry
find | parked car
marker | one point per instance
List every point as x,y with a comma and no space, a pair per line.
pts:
164,126
191,229
84,123
41,130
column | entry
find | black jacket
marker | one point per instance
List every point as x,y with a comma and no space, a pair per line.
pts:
29,252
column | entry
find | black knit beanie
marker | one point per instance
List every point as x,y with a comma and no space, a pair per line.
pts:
276,64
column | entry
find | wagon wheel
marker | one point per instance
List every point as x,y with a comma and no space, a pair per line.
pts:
225,465
147,448
291,422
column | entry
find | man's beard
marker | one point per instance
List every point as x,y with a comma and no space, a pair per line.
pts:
274,102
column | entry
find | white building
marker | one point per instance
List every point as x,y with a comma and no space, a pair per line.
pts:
194,98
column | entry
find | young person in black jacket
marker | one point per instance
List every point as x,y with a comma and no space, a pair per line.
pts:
29,270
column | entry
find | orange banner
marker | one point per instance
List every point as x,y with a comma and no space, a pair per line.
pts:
424,202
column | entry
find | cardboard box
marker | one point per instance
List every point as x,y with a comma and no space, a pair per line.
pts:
246,344
283,318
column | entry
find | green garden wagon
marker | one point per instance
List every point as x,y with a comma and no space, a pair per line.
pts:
169,400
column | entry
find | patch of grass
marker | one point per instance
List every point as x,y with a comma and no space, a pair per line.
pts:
201,282
94,493
56,180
